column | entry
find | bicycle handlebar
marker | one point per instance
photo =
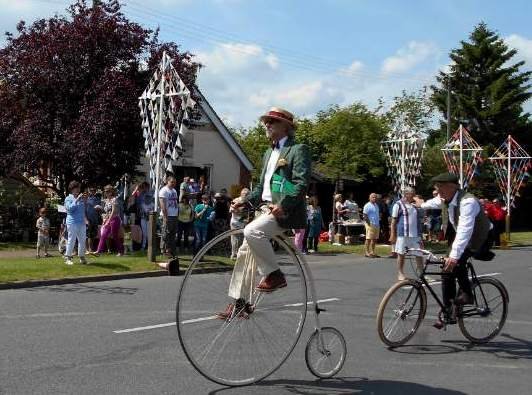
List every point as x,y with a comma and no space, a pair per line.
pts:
431,258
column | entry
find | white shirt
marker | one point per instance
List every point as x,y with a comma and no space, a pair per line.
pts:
170,199
469,209
412,218
270,168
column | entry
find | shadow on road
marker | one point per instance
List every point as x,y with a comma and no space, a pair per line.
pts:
346,385
86,289
513,348
426,349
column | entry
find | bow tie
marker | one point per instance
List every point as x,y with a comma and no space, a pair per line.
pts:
275,144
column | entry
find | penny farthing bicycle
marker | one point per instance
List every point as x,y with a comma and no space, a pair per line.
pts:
259,335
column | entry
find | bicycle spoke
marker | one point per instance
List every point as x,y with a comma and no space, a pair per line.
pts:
254,341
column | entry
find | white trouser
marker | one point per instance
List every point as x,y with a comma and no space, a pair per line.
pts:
256,252
79,232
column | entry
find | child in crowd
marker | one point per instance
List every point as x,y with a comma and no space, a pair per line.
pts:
43,233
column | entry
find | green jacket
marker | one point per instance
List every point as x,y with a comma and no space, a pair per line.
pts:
294,166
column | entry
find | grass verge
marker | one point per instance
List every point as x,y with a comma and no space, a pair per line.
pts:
23,269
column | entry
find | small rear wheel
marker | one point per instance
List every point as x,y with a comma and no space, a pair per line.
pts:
484,320
400,313
325,352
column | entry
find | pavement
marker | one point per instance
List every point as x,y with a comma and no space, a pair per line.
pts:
70,339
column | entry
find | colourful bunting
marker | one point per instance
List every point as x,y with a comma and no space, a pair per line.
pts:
511,164
403,150
462,148
164,124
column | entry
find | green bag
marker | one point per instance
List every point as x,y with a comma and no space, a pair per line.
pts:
282,185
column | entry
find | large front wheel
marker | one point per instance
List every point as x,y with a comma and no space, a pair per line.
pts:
400,313
259,331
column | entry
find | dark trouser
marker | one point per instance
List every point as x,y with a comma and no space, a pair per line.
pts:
498,228
305,238
170,232
448,285
313,242
183,232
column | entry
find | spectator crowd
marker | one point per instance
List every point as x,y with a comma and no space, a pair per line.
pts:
109,220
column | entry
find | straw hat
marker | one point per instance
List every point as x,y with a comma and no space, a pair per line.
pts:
279,114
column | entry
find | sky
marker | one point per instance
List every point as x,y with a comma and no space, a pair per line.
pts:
305,55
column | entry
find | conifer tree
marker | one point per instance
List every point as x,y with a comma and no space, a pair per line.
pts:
487,89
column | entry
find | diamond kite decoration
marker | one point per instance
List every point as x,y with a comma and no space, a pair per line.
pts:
165,107
462,155
403,150
511,164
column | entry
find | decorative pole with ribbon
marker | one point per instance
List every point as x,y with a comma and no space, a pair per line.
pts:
511,164
462,154
165,108
403,149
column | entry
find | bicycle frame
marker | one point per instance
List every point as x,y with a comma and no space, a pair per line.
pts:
474,280
309,280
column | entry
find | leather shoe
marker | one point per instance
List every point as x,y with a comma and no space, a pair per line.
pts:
244,310
227,313
272,282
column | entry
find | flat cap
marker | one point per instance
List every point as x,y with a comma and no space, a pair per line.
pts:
445,177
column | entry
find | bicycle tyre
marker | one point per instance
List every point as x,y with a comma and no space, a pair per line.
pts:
239,351
328,362
392,309
489,297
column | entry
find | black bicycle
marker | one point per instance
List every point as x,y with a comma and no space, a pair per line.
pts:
404,305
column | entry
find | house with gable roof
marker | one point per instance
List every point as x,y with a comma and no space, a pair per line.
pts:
211,151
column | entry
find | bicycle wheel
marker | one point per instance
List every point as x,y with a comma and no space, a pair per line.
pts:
262,330
400,312
325,352
484,320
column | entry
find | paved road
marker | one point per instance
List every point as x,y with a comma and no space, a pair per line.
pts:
61,340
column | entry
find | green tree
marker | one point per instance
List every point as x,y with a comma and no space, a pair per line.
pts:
416,108
254,142
351,139
487,89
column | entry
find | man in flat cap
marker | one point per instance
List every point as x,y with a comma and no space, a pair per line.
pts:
464,213
282,188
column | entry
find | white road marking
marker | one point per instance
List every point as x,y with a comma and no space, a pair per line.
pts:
212,317
145,328
319,301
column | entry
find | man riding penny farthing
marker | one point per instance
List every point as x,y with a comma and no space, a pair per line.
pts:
282,189
263,319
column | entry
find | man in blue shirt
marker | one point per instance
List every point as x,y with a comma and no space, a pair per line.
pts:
372,218
75,204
